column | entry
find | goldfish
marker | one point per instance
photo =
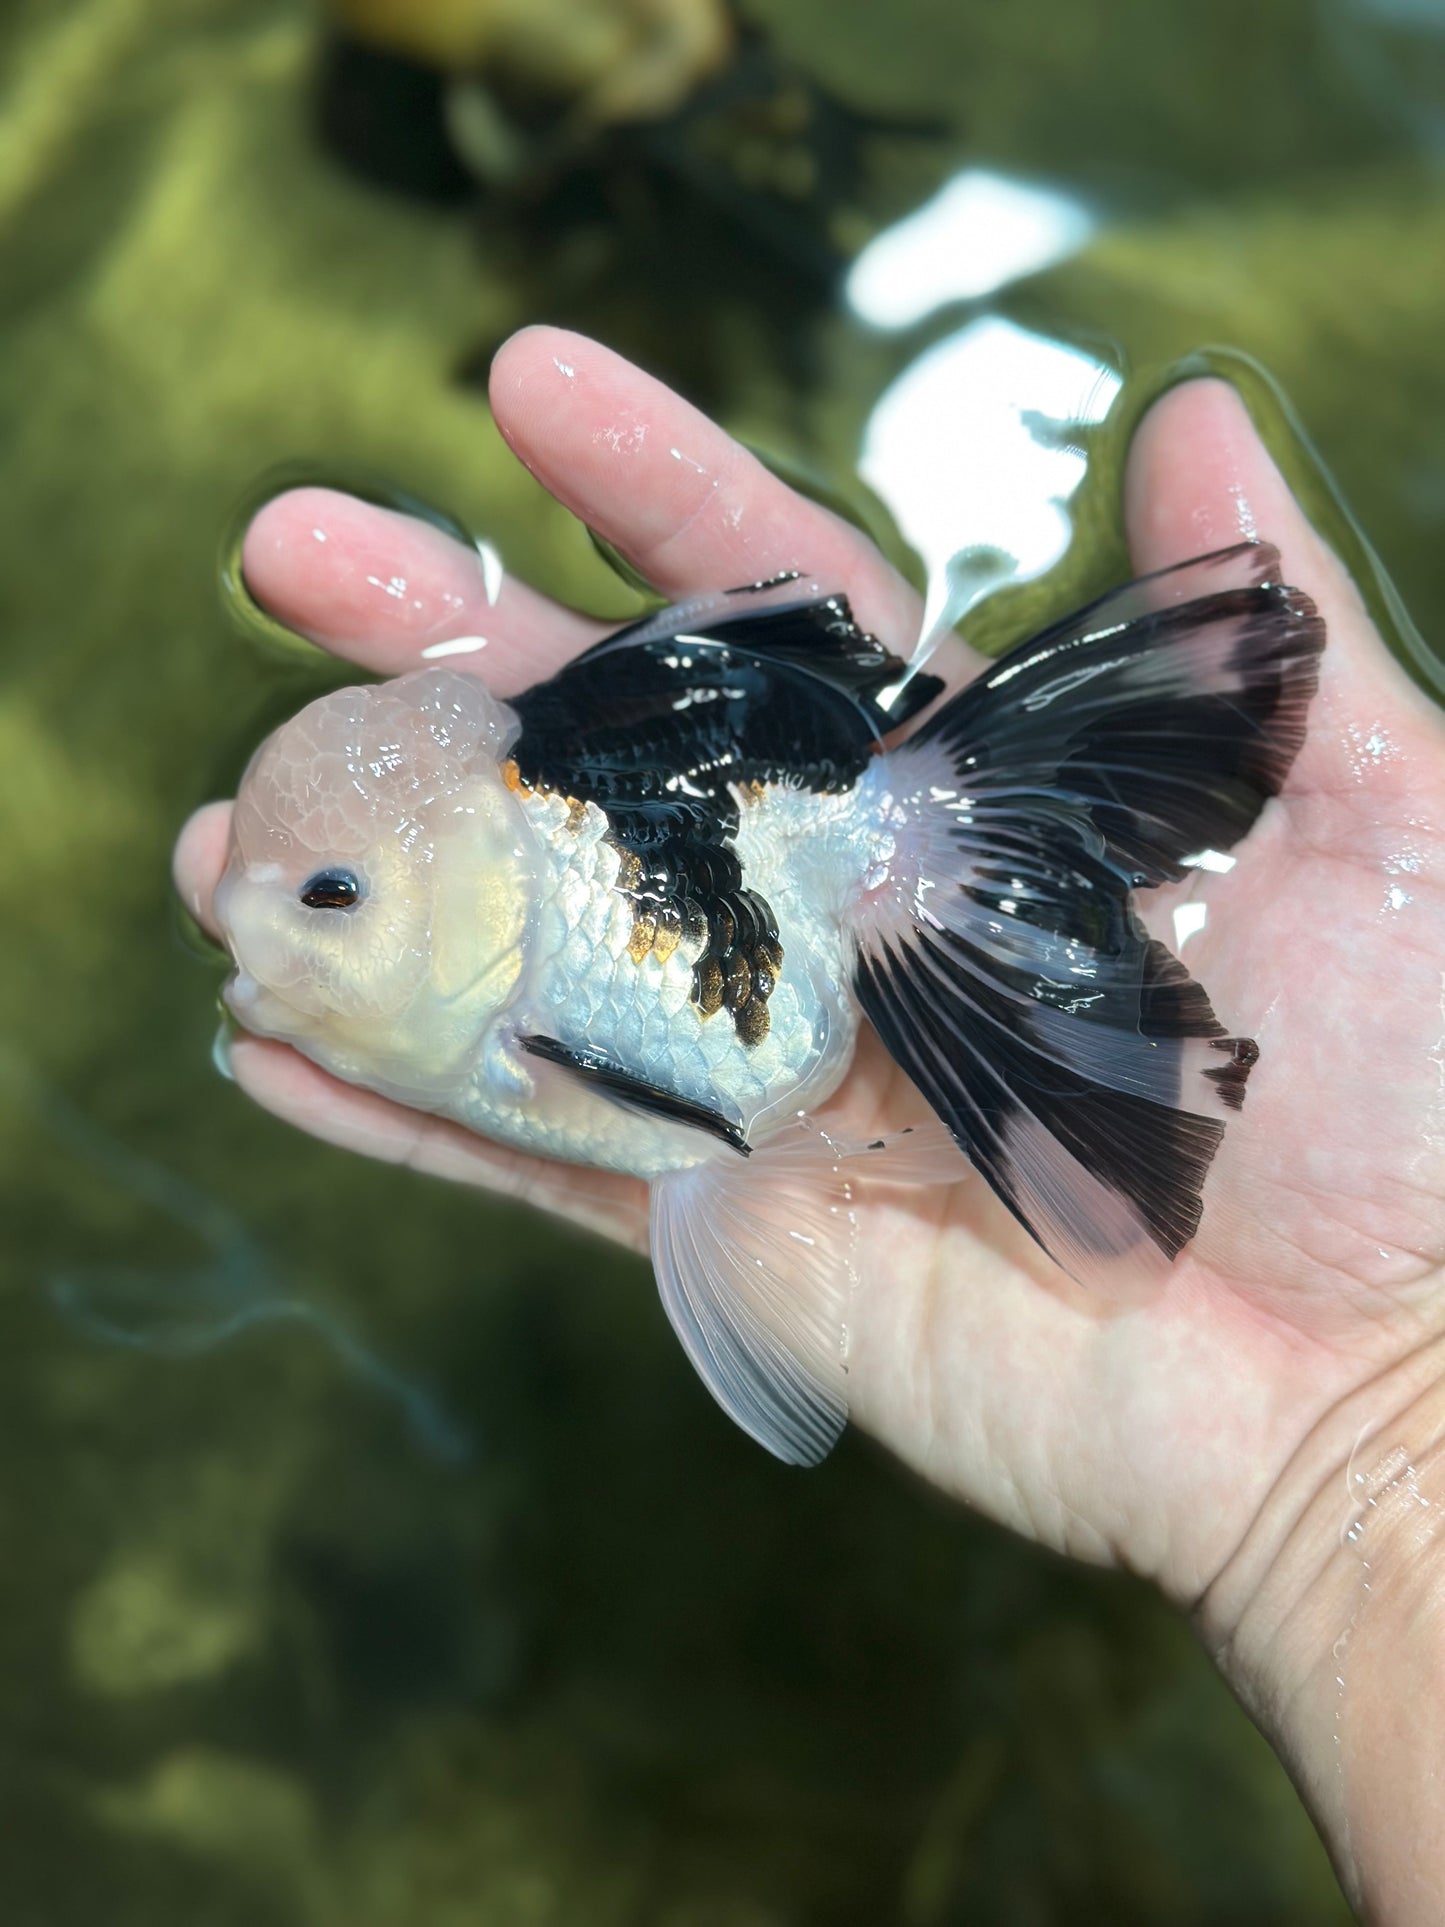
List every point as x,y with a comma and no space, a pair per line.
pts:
636,916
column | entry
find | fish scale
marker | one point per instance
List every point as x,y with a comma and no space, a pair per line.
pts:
641,1013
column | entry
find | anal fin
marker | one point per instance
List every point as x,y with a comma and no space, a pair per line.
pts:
756,1266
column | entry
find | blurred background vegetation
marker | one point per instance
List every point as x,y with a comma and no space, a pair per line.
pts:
370,1554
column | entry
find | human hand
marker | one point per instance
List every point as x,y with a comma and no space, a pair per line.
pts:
1204,1436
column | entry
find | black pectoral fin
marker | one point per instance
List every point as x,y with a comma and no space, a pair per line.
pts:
623,1087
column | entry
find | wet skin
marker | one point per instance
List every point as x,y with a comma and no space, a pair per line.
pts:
1207,1436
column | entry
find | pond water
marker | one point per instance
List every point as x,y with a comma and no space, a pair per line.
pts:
370,1553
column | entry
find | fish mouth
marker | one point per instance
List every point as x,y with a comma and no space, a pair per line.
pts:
259,1009
241,992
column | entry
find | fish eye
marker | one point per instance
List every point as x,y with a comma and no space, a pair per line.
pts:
331,890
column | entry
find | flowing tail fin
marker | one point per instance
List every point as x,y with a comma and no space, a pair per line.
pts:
1004,965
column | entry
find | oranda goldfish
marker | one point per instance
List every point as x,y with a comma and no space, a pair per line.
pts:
634,917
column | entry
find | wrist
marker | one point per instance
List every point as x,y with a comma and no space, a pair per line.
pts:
1329,1624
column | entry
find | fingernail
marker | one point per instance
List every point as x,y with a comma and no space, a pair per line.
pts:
221,1048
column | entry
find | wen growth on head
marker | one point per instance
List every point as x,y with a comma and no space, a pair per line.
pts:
634,918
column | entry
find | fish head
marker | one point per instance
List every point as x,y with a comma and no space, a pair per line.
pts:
377,896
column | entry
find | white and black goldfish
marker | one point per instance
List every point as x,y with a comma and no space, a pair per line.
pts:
634,917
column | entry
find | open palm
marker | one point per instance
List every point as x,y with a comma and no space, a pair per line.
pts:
1154,1432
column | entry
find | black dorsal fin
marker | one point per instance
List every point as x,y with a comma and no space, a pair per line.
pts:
720,690
788,623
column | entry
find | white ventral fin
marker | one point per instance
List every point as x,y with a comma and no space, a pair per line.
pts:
755,1262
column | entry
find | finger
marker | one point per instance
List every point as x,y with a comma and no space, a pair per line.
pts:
389,591
200,857
295,1090
1200,478
683,501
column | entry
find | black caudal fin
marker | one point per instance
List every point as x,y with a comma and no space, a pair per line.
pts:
1005,968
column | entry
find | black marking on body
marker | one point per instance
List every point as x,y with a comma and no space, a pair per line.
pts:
625,1087
656,733
698,897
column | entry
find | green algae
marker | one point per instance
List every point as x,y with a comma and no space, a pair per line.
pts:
263,1657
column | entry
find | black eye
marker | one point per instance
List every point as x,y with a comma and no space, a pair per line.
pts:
331,890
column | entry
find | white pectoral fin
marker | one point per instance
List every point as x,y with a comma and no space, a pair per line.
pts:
756,1263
